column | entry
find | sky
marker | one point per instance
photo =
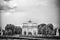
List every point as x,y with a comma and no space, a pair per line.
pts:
39,11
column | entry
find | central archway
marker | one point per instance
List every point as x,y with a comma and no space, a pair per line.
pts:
29,33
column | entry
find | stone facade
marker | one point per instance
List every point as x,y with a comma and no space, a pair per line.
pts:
29,28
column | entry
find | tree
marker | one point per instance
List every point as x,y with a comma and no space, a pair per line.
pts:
40,28
46,30
41,25
50,26
13,29
18,30
10,28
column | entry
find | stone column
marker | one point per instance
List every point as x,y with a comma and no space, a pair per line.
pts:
57,33
22,31
32,32
36,32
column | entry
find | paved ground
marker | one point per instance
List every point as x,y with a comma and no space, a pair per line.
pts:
29,38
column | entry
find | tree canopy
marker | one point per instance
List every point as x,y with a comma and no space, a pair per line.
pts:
46,29
13,29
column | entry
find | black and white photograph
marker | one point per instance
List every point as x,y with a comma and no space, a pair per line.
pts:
29,19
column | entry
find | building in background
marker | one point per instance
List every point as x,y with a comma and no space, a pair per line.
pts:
29,28
1,31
